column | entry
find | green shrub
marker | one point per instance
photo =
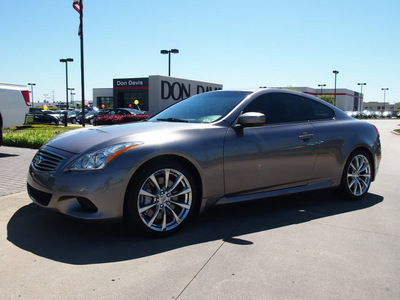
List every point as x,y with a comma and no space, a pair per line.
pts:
31,136
27,138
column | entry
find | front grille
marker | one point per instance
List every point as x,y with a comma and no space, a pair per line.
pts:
45,160
39,196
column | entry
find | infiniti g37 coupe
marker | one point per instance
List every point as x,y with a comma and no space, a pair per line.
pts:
212,148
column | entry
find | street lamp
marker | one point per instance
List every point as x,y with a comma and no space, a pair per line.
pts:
321,85
71,89
361,101
32,84
334,100
66,60
384,97
175,51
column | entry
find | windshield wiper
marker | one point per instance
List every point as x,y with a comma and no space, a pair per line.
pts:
173,120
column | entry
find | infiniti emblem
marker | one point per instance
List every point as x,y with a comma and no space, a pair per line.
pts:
38,159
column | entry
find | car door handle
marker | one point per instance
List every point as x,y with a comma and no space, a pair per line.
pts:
306,136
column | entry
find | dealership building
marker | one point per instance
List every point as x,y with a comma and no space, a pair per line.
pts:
157,92
152,93
346,99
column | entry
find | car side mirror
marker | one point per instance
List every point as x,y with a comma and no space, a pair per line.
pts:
251,119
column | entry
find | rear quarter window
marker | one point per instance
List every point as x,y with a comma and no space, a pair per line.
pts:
318,111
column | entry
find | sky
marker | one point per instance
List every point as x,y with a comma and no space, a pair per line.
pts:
240,44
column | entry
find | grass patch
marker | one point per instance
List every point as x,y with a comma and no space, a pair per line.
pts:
33,136
397,130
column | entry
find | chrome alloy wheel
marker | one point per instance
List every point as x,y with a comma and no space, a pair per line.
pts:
359,175
164,199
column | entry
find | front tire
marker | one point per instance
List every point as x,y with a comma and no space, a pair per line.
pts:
161,198
357,175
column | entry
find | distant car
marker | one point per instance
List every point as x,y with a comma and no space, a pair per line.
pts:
354,114
125,111
71,116
100,113
387,114
43,116
366,114
377,114
90,116
398,114
213,148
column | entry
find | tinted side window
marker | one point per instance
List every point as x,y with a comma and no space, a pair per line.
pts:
279,108
318,111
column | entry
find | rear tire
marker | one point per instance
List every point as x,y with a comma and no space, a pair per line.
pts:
357,175
161,198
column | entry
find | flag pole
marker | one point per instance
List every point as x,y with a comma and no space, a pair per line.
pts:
82,65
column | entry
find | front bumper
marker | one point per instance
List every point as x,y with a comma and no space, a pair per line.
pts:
89,195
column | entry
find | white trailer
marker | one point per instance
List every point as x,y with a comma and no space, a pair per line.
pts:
14,105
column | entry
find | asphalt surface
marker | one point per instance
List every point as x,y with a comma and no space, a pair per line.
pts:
308,246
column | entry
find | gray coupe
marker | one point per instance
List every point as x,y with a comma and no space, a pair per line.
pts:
212,148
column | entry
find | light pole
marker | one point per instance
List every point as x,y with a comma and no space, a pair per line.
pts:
384,97
175,51
335,72
361,95
66,60
321,85
32,84
71,89
45,97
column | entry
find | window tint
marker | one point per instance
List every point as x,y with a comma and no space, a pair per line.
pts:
203,108
279,108
318,111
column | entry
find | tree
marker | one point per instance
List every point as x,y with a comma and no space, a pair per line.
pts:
328,98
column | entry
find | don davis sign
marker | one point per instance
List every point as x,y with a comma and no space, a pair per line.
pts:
180,90
168,90
154,93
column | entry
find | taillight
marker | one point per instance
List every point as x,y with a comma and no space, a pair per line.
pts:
377,131
25,94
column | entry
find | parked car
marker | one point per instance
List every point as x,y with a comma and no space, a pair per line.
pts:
71,116
100,113
366,114
377,114
354,114
90,116
45,116
212,148
387,114
125,111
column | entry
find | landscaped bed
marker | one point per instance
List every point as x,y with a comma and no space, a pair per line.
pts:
32,136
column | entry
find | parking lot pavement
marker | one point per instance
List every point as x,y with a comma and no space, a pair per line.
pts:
308,246
14,164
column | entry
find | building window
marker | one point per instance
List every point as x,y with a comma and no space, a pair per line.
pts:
108,102
130,97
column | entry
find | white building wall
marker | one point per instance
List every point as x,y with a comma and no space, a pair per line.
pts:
101,92
344,97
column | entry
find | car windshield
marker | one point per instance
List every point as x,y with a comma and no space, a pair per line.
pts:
202,108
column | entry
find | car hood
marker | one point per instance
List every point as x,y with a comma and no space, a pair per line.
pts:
76,141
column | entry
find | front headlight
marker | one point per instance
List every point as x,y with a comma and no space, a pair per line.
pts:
99,159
